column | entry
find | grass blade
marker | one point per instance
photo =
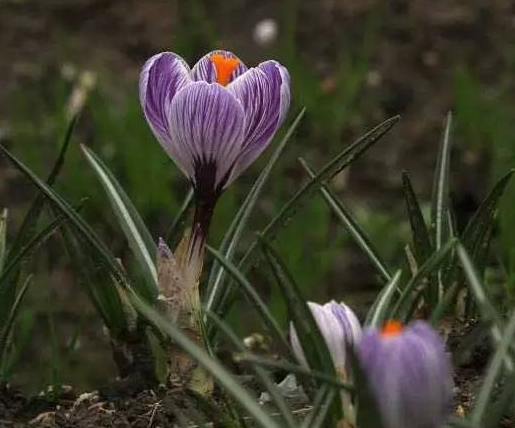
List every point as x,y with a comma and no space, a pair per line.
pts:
137,234
28,226
421,241
261,373
378,312
483,217
332,168
322,409
75,219
498,409
296,369
336,165
494,370
233,235
317,355
312,342
406,300
103,297
7,326
8,286
27,250
320,397
444,304
478,232
485,305
253,297
212,365
440,203
352,227
3,233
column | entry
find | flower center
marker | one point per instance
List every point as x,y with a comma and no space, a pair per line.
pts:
391,328
224,67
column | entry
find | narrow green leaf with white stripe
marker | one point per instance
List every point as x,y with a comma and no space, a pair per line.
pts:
3,231
379,311
130,222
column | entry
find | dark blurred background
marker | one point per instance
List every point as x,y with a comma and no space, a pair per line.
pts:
353,64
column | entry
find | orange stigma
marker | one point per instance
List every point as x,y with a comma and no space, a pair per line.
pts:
224,67
391,328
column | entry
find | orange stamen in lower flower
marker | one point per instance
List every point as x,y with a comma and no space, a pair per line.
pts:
224,67
391,328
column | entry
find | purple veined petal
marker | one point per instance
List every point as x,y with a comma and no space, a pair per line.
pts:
162,76
331,331
206,125
347,319
205,70
264,92
163,249
410,374
270,68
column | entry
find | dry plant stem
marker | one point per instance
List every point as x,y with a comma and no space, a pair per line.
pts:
349,420
178,277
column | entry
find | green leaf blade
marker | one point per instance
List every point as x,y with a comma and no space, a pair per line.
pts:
212,365
352,226
421,241
138,236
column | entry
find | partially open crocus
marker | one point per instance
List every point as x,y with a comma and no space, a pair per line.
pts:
215,119
410,374
339,327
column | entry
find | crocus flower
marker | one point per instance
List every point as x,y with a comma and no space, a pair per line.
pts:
339,327
410,374
215,119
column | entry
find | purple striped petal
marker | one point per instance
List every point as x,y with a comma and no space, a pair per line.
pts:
264,92
410,374
205,70
160,79
338,333
206,125
347,319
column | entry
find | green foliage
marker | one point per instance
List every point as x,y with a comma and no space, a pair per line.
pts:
140,240
3,233
441,261
485,118
358,234
313,345
226,379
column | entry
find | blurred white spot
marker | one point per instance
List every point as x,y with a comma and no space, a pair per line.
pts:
68,71
374,78
265,32
86,81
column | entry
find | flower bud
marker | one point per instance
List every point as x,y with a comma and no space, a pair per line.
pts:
339,328
409,372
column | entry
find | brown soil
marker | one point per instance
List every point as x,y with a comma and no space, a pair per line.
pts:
162,407
149,408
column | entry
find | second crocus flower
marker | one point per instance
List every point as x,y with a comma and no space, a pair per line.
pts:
339,327
410,374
